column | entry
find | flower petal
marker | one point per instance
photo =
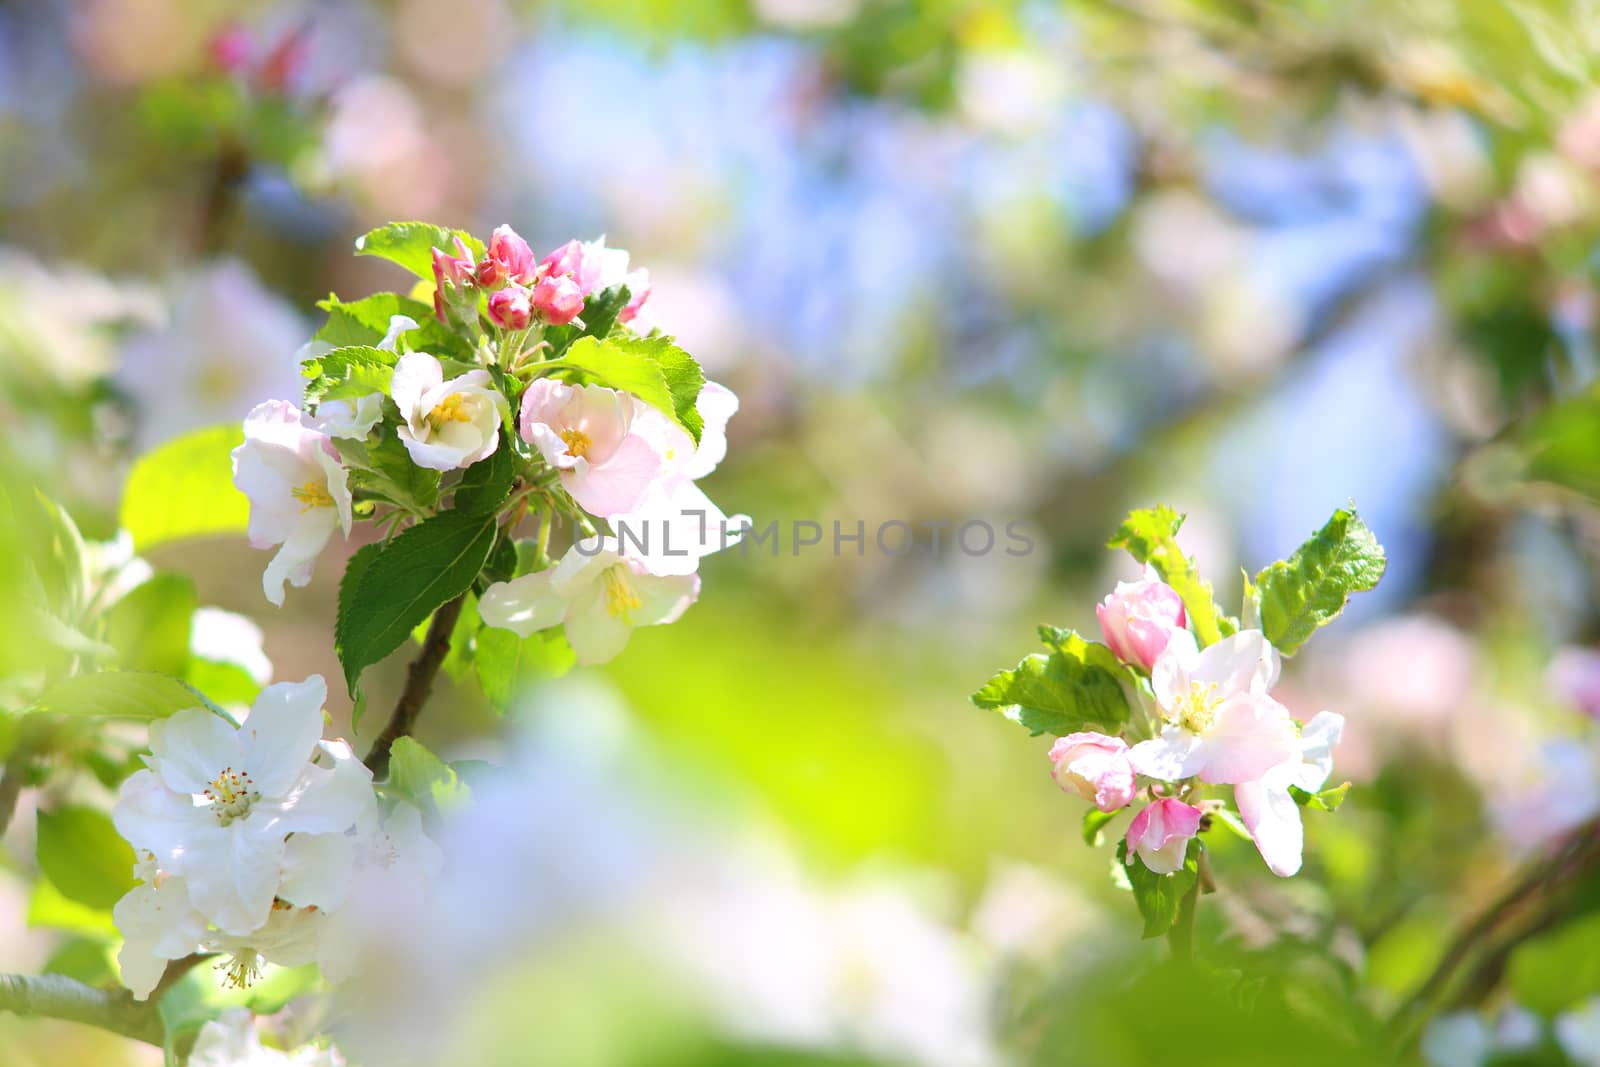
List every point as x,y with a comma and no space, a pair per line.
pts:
596,635
1175,754
153,818
1273,819
316,870
1252,734
191,747
523,604
281,733
232,873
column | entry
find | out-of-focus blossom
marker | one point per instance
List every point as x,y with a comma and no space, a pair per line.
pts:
1574,675
595,594
1221,724
1270,812
587,433
227,637
1558,790
1159,835
299,494
1578,1031
232,1040
1095,767
352,419
448,424
1139,618
60,321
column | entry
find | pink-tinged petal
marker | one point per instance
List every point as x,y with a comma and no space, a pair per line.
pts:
1318,738
1095,767
674,527
414,375
316,870
1160,834
1271,815
616,486
1174,755
594,632
191,747
662,600
153,818
1252,733
235,875
281,733
1242,662
522,605
1169,675
294,561
1138,619
338,485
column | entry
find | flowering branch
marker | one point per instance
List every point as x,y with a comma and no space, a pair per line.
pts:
56,996
419,683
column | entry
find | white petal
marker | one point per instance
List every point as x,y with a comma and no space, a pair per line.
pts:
1317,741
326,800
281,733
596,635
414,375
1252,734
1243,662
398,324
294,561
663,599
716,405
523,604
1176,754
233,875
1169,677
191,747
316,870
152,818
1273,819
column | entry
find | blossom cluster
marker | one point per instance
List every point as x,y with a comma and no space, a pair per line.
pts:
584,444
258,842
1215,722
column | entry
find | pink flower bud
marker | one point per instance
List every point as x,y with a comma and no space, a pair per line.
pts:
558,300
232,48
1139,618
638,284
457,270
1160,834
565,261
511,255
1095,767
511,308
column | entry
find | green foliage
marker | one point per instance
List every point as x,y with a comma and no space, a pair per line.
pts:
1560,444
49,909
149,627
365,322
1558,971
600,313
411,245
654,370
1094,824
506,662
485,485
1309,589
185,489
388,589
1150,536
1326,800
1159,896
390,472
1074,687
118,695
425,779
83,856
348,373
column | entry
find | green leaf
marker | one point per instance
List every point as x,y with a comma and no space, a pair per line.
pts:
1558,971
1327,800
149,626
485,485
1073,688
393,590
1310,588
1231,821
411,245
1160,895
365,322
600,313
226,683
62,564
396,477
49,909
506,662
83,856
348,373
118,695
185,489
85,959
663,376
1150,536
426,779
1094,822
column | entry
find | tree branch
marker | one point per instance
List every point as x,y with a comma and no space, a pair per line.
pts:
55,996
419,683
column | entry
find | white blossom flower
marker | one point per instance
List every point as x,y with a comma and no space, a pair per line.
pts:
1268,809
158,924
1220,723
352,419
588,433
299,494
596,593
217,802
231,1040
448,424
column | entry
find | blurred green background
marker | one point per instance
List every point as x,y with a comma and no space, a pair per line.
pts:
1015,262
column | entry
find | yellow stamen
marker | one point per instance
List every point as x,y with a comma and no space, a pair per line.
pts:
231,794
621,600
313,494
451,409
578,443
241,971
1196,710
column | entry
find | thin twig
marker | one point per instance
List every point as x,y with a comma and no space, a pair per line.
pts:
419,683
55,996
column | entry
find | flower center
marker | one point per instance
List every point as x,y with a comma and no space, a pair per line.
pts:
240,971
621,600
231,793
451,409
578,443
313,494
1196,710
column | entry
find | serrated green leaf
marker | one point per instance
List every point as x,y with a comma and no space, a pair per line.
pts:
1309,589
1150,536
185,489
485,485
404,582
365,322
118,695
394,475
83,855
411,245
1159,896
348,373
1094,822
654,372
149,627
1326,800
683,376
1074,687
506,663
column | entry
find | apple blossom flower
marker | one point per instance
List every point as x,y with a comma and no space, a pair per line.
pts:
351,419
231,1040
598,596
638,283
587,433
298,492
511,308
1574,674
1095,767
447,424
675,525
451,274
1138,618
1269,810
557,300
1221,724
508,258
158,924
1159,835
217,801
